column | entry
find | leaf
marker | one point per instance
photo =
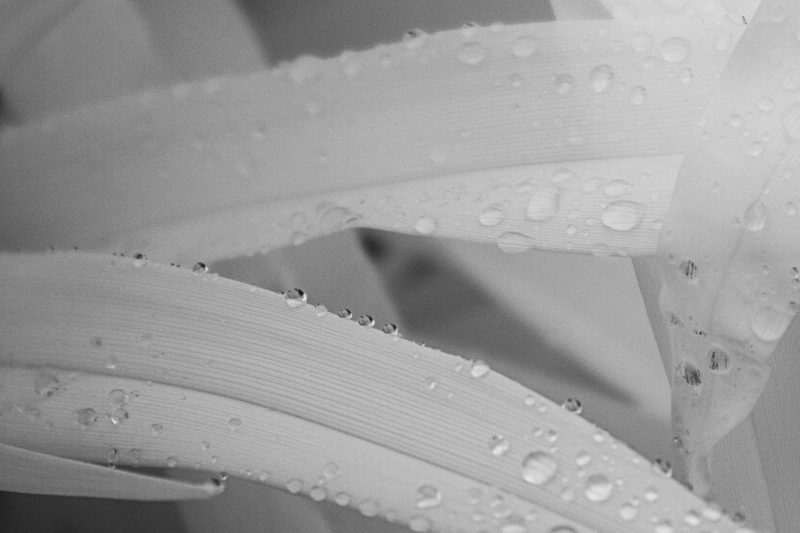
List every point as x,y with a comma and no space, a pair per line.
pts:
169,359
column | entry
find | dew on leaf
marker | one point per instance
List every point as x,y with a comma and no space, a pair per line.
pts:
368,507
538,468
524,46
419,524
344,313
598,488
663,467
563,83
543,204
318,494
389,328
234,424
512,242
86,417
600,78
294,485
492,216
573,405
622,215
295,297
628,512
478,368
366,321
498,445
428,497
675,49
425,225
472,53
617,188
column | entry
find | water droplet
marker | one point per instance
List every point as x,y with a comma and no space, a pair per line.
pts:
498,445
543,205
689,273
139,259
389,328
156,429
573,405
413,39
583,459
622,215
368,507
172,461
663,467
294,485
492,216
600,78
563,83
637,95
675,49
617,188
318,494
366,321
425,225
691,518
342,498
512,242
664,526
598,488
538,468
205,445
330,470
86,417
712,513
478,368
428,497
791,122
111,362
419,524
344,313
431,383
651,495
524,46
718,361
295,297
755,217
320,310
472,53
45,385
628,513
234,424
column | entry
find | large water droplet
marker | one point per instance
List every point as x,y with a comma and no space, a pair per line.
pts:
622,215
600,78
675,49
428,497
366,321
543,205
538,468
473,53
512,242
791,122
598,488
425,225
492,216
524,46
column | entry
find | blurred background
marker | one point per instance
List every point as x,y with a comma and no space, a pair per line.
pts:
563,325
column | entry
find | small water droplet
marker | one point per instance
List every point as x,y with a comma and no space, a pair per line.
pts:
651,495
419,524
686,76
492,216
524,46
330,470
628,512
139,259
662,466
790,209
623,215
691,518
583,459
573,405
675,49
428,497
598,488
425,225
390,329
478,368
294,485
320,310
766,104
755,217
295,297
723,42
664,526
472,53
637,95
234,424
712,512
86,417
538,468
111,362
344,313
413,39
718,361
342,498
498,445
318,494
172,461
617,188
366,321
600,78
512,242
563,83
689,273
156,429
543,204
368,507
